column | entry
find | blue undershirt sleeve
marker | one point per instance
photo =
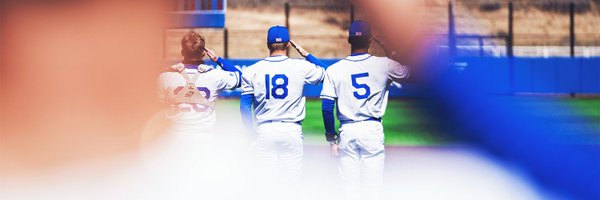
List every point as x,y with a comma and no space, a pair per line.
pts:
327,106
246,101
227,66
314,60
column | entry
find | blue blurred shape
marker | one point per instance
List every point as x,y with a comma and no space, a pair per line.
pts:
198,14
540,134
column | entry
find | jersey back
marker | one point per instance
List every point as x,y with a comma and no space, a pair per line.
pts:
210,84
360,85
277,84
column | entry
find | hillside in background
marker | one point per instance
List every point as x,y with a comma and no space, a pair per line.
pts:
322,29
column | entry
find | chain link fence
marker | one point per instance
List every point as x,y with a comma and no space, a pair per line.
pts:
538,28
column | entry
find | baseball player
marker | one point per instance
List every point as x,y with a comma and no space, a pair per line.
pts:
358,86
189,91
274,87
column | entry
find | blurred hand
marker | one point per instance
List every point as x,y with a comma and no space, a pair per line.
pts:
377,39
211,54
335,150
389,53
298,48
407,41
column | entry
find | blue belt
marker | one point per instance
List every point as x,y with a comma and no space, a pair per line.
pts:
278,121
369,119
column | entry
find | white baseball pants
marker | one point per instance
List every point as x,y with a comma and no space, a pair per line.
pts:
278,151
362,157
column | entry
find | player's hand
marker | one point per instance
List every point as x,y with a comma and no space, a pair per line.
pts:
211,54
298,48
178,67
335,150
380,42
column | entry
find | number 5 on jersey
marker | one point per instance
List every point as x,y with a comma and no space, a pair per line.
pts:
362,86
274,84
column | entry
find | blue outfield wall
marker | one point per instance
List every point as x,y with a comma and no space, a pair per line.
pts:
536,75
197,19
198,14
529,75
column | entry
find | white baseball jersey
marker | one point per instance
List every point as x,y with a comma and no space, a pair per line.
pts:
210,83
277,84
360,84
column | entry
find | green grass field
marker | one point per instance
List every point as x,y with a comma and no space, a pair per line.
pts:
402,125
405,126
588,107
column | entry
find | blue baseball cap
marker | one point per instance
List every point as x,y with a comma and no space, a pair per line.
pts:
278,34
359,28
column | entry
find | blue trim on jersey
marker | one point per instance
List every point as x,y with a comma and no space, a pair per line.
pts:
266,59
239,83
369,119
194,71
358,60
195,68
357,54
328,97
278,121
191,66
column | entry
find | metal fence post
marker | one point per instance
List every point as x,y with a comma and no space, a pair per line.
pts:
509,48
226,42
451,30
352,12
287,21
286,8
480,46
510,39
572,27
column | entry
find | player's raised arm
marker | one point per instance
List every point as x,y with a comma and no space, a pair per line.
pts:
314,73
226,65
230,80
309,57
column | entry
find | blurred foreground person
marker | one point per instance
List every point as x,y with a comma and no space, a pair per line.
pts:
562,164
76,81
